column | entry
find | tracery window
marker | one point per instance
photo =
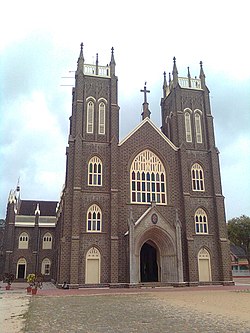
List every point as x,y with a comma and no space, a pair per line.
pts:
201,224
197,178
90,117
197,120
23,242
188,128
101,129
95,171
47,241
94,219
148,179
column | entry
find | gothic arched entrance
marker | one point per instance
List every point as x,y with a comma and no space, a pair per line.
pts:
93,259
21,268
204,265
148,263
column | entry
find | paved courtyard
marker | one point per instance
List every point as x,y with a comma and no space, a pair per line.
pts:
176,310
124,313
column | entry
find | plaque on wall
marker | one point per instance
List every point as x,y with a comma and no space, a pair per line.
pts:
154,218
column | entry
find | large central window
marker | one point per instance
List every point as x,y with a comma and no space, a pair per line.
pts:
148,179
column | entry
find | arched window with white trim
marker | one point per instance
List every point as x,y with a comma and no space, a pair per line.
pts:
46,266
188,128
201,223
47,241
94,219
102,111
197,121
90,117
197,176
148,179
23,242
95,171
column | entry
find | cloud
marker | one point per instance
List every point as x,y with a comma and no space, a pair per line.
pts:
235,162
41,45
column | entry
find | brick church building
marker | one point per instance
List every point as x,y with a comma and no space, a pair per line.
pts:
148,208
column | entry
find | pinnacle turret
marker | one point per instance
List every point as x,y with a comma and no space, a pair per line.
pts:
175,73
96,64
202,76
80,62
165,86
112,63
189,78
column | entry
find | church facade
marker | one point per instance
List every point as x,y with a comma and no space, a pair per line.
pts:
148,208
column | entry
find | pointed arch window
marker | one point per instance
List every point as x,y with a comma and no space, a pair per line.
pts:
101,127
188,128
90,117
197,120
95,172
46,266
94,219
23,242
148,179
47,241
197,175
201,223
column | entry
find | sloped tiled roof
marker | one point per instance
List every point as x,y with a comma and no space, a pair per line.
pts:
28,207
237,251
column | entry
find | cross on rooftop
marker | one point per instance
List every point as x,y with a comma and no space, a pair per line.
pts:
145,91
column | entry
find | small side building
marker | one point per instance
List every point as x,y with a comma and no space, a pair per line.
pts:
29,237
240,265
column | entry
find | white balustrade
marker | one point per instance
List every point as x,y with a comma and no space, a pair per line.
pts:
91,70
184,82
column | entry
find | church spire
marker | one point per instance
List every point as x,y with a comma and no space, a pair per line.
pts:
145,112
80,62
202,76
175,73
112,63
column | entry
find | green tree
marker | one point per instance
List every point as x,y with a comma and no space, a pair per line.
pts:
239,233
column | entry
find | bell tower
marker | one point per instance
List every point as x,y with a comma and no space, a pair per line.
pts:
186,112
187,121
94,98
87,223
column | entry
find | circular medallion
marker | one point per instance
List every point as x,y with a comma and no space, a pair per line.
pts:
154,218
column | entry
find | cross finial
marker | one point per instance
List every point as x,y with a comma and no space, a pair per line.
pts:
145,91
81,46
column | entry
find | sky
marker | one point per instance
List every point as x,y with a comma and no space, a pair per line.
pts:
39,47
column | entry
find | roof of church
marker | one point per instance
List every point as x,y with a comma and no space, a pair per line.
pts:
46,208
